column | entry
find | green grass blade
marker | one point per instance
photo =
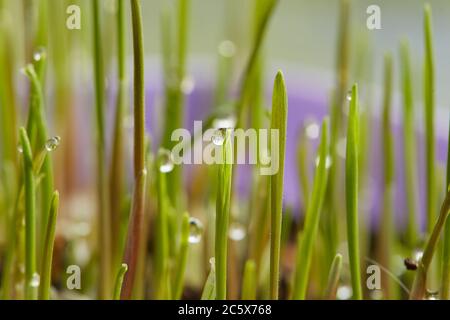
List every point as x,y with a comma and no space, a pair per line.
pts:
30,217
162,236
333,277
119,281
309,235
249,281
410,155
105,276
223,205
279,122
429,93
47,256
117,168
135,227
386,233
419,288
351,184
446,256
209,289
37,118
182,258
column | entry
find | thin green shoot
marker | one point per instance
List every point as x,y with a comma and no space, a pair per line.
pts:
309,235
279,122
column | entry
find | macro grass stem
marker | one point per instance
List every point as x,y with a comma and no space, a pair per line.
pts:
446,254
409,145
386,236
419,288
47,255
30,217
249,281
279,123
309,235
104,232
135,227
351,194
223,206
182,258
119,281
117,168
333,277
36,120
429,92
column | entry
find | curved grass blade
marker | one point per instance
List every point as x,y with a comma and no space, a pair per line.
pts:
351,184
209,290
309,235
418,290
119,281
279,123
333,277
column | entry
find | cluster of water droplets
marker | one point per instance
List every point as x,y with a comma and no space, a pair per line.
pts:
52,143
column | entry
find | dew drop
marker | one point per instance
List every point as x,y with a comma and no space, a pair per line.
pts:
52,143
432,295
312,130
165,161
341,147
39,54
187,85
218,137
328,162
35,280
349,95
344,293
226,122
195,230
227,49
20,148
237,232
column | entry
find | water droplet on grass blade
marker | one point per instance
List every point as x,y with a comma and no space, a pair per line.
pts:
195,230
349,95
35,280
52,143
218,137
226,122
312,130
39,54
19,148
187,85
165,161
227,49
344,292
328,162
237,232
